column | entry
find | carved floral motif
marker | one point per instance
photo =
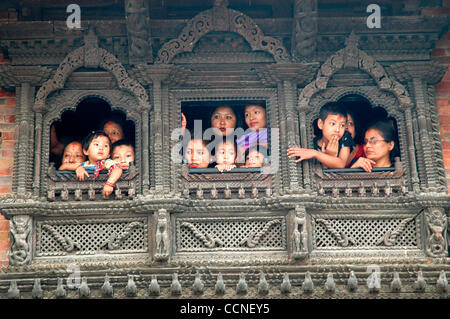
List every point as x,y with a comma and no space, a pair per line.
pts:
90,55
352,57
221,18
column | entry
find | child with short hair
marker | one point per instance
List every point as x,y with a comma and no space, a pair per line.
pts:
225,156
256,120
123,153
254,156
332,149
72,156
97,148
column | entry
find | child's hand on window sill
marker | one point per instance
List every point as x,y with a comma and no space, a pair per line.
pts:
81,173
107,190
301,153
225,167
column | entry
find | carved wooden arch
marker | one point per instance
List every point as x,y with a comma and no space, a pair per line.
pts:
222,19
352,57
70,99
90,56
66,100
373,94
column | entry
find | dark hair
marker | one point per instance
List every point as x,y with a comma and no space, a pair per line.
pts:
88,139
357,124
253,104
120,143
378,114
389,134
316,130
332,108
114,120
111,119
232,107
70,142
260,148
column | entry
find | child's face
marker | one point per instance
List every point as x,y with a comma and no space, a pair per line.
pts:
334,125
197,154
98,149
350,126
254,159
123,155
73,153
225,153
222,119
255,117
114,131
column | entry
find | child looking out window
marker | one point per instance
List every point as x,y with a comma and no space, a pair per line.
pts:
97,148
225,156
332,149
123,153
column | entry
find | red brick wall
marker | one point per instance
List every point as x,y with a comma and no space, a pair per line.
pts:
441,54
7,128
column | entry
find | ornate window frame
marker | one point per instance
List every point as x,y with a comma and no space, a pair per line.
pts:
52,100
214,181
376,97
69,100
387,93
220,18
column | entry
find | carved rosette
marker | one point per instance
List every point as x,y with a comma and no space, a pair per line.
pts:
436,224
220,18
21,240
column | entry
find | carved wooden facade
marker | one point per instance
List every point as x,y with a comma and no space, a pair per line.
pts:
290,220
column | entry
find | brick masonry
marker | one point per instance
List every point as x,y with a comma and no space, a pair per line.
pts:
7,129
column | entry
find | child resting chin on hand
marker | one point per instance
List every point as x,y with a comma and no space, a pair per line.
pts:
97,148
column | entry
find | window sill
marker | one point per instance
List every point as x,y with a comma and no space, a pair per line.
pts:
209,183
64,186
355,182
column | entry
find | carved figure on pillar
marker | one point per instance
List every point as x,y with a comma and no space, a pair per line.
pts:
436,232
299,234
20,228
304,29
162,236
138,26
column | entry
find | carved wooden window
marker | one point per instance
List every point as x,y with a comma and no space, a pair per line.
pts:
73,125
239,182
198,116
355,181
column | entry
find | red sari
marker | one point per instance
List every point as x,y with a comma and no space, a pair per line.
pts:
358,153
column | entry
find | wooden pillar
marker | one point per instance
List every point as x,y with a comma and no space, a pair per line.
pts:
24,145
